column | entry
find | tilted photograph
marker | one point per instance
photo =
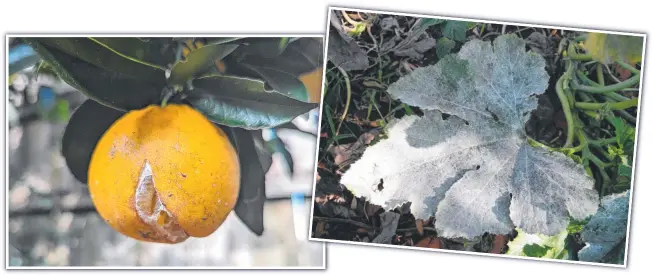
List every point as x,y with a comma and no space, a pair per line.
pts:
477,137
162,151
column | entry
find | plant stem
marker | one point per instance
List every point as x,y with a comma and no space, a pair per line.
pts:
167,94
621,105
607,89
560,91
601,142
599,75
628,67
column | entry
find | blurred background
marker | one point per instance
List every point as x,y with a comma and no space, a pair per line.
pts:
52,221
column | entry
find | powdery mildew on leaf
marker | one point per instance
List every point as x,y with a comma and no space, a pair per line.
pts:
464,169
606,229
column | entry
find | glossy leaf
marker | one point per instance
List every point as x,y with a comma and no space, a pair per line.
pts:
296,73
111,88
264,155
300,57
101,56
222,40
154,51
251,198
243,102
198,61
282,82
85,128
266,47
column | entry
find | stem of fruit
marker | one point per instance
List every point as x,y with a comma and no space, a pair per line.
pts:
562,95
167,94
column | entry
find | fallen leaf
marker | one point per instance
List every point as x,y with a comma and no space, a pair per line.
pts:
498,244
342,153
389,223
622,74
371,209
319,229
430,242
343,50
419,223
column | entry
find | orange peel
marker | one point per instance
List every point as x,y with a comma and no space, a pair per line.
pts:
164,174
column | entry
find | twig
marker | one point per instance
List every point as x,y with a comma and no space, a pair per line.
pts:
344,112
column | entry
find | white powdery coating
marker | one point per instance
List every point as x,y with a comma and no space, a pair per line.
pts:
464,169
606,229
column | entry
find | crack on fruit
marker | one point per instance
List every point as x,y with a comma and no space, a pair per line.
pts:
152,211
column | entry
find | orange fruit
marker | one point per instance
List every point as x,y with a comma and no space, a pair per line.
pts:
164,174
313,82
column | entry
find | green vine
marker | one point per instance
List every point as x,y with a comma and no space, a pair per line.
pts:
590,108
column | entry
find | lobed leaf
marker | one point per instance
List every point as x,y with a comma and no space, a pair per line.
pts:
607,229
475,170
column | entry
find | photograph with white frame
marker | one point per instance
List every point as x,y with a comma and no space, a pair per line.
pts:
237,112
477,137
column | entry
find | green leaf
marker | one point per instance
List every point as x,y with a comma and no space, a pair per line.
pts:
243,102
155,51
98,54
300,57
606,229
608,48
266,47
538,245
85,128
282,82
358,29
111,88
222,40
535,250
424,23
625,171
251,197
576,226
198,61
455,30
444,47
